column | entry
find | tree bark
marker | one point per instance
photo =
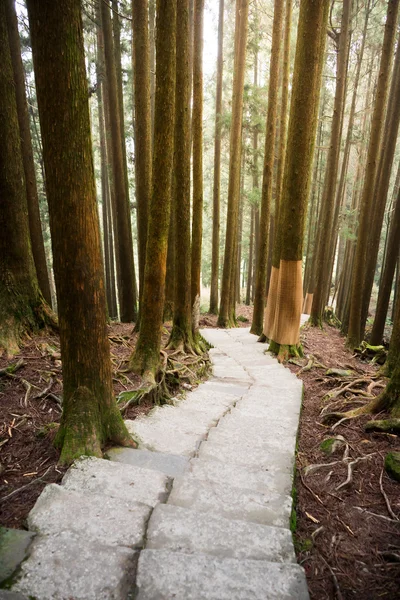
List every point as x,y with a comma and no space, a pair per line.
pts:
124,244
90,414
358,278
197,137
283,323
269,158
217,167
141,76
326,225
146,358
35,228
226,311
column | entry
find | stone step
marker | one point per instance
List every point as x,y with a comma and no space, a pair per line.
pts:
14,548
171,465
221,386
258,422
249,478
163,575
129,483
67,566
109,521
268,458
188,531
251,441
267,508
214,405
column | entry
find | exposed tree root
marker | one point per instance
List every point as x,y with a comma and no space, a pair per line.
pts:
385,426
284,351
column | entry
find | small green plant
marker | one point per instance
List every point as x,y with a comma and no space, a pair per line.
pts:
242,319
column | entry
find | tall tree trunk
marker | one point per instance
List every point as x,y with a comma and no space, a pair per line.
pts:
152,42
326,225
226,311
197,137
385,287
269,158
90,414
217,167
141,75
382,182
146,358
354,333
35,228
124,244
22,307
250,263
181,334
283,323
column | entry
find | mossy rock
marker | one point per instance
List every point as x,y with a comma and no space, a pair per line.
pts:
392,465
47,429
331,445
14,548
339,372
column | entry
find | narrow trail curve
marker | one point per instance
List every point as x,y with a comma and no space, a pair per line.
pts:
200,512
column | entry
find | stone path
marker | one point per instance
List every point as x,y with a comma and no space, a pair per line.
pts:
200,512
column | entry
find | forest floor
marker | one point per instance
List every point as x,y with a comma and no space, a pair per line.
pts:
348,539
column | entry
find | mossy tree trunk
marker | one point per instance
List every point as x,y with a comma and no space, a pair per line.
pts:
197,137
326,225
181,334
22,307
282,328
389,268
143,145
146,358
90,414
217,167
382,182
227,303
268,170
35,228
358,277
250,263
124,244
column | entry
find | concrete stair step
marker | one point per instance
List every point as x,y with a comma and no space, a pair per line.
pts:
250,441
231,475
163,575
188,531
66,566
109,521
170,464
266,458
267,508
129,483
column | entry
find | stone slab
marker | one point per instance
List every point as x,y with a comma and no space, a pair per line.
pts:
163,575
67,566
14,546
269,459
182,530
168,416
133,484
8,595
250,478
110,521
249,421
225,387
268,508
250,441
160,438
169,464
209,402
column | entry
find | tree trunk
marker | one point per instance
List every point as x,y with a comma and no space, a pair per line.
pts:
22,307
250,263
386,158
286,293
354,333
217,168
226,312
197,137
385,287
152,42
124,245
141,77
181,334
90,414
146,358
269,158
35,228
326,223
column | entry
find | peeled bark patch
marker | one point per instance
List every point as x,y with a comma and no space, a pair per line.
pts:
289,301
308,300
269,317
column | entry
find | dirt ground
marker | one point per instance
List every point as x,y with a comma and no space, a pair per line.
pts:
347,539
